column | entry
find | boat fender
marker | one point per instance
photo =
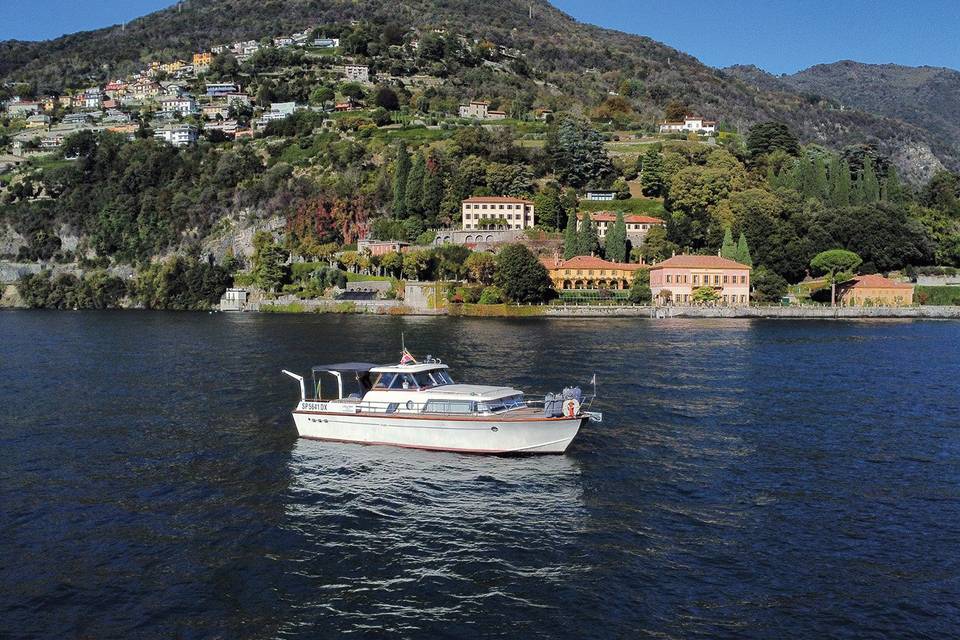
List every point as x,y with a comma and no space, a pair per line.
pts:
571,408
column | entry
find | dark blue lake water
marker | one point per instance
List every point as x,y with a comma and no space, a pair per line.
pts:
758,479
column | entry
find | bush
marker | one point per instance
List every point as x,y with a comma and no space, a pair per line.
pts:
491,295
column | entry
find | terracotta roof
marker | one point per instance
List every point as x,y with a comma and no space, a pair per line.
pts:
610,216
699,262
589,262
489,199
876,281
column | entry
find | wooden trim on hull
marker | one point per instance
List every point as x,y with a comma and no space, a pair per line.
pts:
448,449
453,418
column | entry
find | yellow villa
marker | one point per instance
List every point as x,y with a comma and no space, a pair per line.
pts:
590,272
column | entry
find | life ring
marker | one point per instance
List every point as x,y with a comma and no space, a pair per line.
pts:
571,408
410,405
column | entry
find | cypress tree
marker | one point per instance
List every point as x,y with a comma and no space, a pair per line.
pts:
820,187
871,185
616,241
400,174
570,238
892,189
432,187
840,183
743,251
728,249
652,180
413,194
587,240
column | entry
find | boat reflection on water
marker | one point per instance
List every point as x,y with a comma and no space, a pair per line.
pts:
402,539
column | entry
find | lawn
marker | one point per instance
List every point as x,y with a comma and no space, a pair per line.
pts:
413,134
641,206
932,295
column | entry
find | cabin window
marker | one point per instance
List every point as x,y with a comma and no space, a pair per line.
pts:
449,406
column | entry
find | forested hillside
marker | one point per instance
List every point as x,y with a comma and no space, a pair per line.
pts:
579,63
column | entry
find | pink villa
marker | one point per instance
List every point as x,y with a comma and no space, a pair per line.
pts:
675,279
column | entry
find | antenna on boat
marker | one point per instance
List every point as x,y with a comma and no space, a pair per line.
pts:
403,345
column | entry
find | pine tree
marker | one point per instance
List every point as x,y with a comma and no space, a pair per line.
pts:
871,185
401,171
652,181
413,194
743,251
615,248
570,238
588,242
728,249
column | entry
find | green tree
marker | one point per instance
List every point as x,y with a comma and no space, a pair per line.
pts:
269,260
728,249
432,187
768,286
392,263
743,251
768,136
656,246
871,185
386,98
588,240
838,265
521,276
571,238
400,174
640,292
481,267
652,179
413,192
576,153
549,207
615,248
703,295
840,187
491,295
893,190
321,96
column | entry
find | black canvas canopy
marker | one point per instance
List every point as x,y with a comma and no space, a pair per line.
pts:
345,367
357,372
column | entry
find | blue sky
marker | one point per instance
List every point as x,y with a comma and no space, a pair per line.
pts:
780,36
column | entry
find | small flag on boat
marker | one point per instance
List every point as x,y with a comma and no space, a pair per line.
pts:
593,380
407,358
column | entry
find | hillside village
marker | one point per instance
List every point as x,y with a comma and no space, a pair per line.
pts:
296,164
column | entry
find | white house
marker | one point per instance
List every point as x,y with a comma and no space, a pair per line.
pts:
179,135
183,105
697,124
357,72
510,213
475,109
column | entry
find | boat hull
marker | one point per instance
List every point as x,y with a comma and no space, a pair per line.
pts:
473,435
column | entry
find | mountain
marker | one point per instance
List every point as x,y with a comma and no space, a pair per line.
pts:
577,64
928,97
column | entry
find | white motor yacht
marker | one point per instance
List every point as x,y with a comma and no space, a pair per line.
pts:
418,405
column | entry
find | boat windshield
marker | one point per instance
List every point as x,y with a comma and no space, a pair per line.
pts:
422,380
435,378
